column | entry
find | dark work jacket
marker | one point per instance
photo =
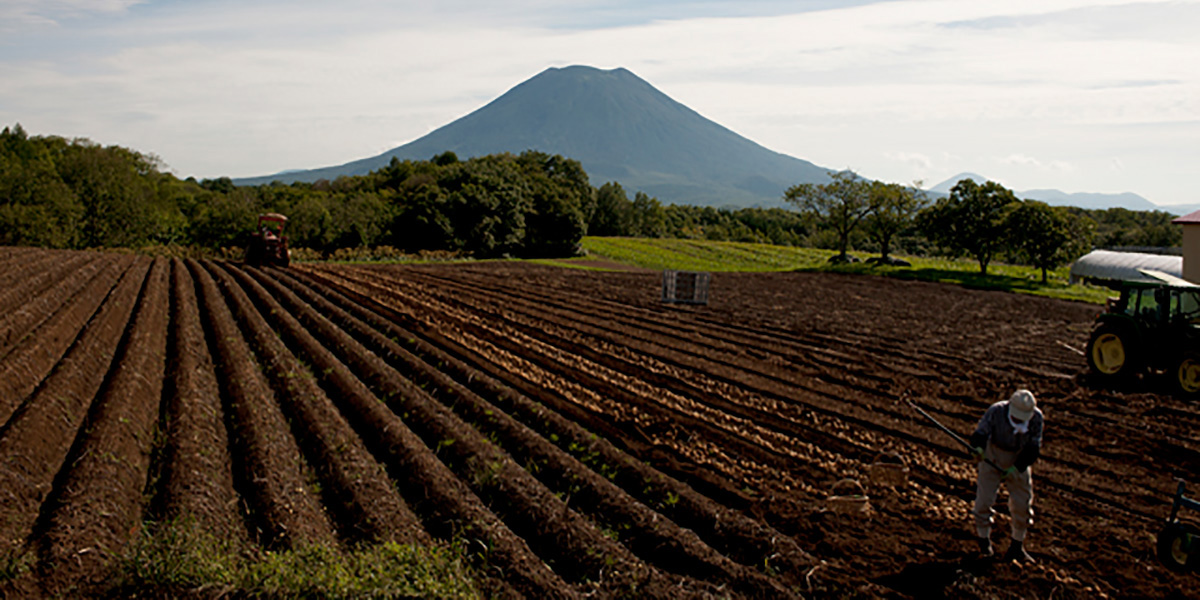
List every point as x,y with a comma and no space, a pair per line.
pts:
996,427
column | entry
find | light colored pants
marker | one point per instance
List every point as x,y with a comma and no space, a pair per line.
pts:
1020,494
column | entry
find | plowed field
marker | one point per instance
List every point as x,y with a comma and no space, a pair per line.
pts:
573,434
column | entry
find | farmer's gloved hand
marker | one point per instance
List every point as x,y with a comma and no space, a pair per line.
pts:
977,452
1009,472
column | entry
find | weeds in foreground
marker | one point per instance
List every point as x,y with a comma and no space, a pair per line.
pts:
14,561
178,556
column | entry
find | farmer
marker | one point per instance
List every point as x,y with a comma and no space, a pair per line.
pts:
1006,442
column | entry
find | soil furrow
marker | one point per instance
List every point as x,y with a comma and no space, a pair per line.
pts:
28,364
17,324
560,535
727,530
514,342
910,347
366,507
689,341
19,263
193,477
654,538
18,295
35,442
96,506
283,511
530,415
449,508
986,357
739,374
631,338
712,338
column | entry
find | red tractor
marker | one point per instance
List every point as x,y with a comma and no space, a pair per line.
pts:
268,245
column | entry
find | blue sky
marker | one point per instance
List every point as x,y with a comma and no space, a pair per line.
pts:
1078,95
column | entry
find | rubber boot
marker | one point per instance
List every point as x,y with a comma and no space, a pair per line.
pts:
985,547
1017,552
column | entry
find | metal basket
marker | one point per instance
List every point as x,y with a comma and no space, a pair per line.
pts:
848,497
889,474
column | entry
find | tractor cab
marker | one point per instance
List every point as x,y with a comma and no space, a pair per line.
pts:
272,224
268,244
1153,325
1158,305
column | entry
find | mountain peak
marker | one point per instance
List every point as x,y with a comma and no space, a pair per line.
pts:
945,186
620,128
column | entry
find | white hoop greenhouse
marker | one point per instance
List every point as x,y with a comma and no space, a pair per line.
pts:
1100,266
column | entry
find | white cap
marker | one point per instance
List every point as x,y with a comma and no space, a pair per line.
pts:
1021,405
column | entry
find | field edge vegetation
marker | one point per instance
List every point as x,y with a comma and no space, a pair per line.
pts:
178,557
716,256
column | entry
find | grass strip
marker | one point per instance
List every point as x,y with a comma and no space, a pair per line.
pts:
178,558
713,256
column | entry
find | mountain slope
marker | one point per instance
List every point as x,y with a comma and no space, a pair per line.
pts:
620,128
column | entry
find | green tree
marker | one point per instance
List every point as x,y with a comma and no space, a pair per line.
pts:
560,195
311,218
36,207
1121,227
838,206
648,218
486,200
970,221
359,219
445,159
894,210
613,212
1046,236
225,220
421,221
115,187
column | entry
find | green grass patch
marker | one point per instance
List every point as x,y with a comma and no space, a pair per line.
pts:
14,562
178,558
704,255
569,263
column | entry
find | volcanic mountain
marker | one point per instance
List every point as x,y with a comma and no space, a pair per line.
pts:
620,128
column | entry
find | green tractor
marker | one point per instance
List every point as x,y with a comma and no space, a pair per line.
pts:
1153,326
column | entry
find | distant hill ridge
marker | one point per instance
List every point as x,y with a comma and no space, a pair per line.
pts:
620,128
1052,197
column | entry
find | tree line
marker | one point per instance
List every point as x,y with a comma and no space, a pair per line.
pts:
76,194
63,193
986,222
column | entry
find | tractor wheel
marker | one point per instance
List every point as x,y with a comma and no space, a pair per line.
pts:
1111,353
253,255
1179,547
1187,375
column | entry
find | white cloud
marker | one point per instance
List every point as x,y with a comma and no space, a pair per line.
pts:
897,90
1022,160
915,159
19,15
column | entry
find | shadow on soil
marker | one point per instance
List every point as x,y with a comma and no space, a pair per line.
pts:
942,579
970,280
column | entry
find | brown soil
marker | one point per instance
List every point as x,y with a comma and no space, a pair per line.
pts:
588,438
193,465
788,383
